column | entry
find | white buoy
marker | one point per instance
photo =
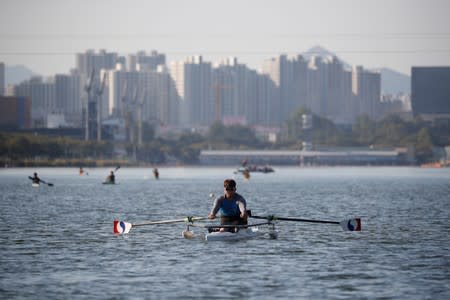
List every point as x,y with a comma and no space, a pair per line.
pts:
211,195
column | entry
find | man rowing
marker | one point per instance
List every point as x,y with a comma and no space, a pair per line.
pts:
35,178
111,178
232,206
156,173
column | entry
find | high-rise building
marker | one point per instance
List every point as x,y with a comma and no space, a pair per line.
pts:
90,60
42,96
299,83
146,61
268,106
15,112
141,96
68,93
274,68
320,84
338,86
167,101
430,93
193,84
313,85
366,88
237,96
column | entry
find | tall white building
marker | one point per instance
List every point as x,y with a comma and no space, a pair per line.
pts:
166,97
242,95
313,85
366,88
290,76
91,60
299,83
338,88
146,61
193,84
68,97
122,87
274,68
143,94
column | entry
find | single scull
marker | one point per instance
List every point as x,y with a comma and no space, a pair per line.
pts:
237,233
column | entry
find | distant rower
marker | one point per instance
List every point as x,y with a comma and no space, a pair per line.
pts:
156,173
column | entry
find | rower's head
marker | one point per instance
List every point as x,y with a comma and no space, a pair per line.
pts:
112,173
229,185
35,174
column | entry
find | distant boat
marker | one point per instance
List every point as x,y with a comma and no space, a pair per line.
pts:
109,182
431,165
255,169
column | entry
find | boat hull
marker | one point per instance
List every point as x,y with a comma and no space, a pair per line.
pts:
243,234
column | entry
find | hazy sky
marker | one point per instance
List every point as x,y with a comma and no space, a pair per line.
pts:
45,35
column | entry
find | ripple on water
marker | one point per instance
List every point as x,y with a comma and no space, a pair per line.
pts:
58,242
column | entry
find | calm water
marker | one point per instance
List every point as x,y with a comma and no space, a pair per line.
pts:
57,242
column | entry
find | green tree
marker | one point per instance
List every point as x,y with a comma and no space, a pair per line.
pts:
364,130
424,146
234,136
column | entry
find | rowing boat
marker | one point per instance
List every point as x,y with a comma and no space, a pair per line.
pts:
36,185
238,232
233,232
243,234
109,182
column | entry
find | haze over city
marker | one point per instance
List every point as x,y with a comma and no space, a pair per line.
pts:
46,35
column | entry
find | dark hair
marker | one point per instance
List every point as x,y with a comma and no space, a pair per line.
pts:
229,184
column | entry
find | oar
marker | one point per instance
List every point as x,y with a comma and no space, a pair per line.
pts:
117,168
350,224
40,180
122,227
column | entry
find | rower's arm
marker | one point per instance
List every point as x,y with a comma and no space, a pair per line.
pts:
242,208
216,207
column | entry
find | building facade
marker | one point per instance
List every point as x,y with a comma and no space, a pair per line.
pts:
42,95
430,93
15,112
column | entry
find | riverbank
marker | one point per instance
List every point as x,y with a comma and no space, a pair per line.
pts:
67,163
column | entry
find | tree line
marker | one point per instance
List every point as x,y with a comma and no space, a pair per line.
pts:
392,131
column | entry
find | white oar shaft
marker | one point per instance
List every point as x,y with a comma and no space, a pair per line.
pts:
160,222
124,227
350,225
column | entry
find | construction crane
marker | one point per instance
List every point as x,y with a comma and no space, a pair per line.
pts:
140,104
131,108
86,111
99,93
125,111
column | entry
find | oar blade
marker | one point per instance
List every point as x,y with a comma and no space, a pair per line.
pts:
351,225
121,227
188,234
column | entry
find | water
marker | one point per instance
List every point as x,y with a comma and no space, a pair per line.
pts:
57,242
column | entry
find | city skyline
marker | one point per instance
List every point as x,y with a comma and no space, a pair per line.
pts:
391,34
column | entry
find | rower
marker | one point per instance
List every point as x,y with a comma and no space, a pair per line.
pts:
111,178
35,178
246,174
156,173
232,206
